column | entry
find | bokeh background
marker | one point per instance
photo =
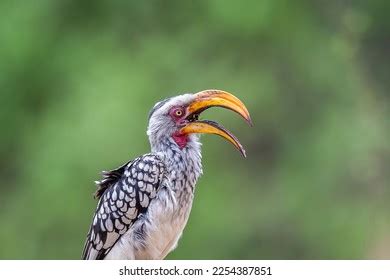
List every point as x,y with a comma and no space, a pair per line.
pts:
78,78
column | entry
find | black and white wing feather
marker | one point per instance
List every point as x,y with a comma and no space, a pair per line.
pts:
124,194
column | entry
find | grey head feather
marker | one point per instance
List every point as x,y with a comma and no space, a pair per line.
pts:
158,106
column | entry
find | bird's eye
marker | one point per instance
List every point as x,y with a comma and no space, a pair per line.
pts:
179,112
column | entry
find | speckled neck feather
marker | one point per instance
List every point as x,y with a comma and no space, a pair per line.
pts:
184,163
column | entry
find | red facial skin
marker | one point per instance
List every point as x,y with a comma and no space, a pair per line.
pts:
180,139
178,114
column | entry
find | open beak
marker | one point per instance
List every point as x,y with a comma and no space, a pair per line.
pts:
214,98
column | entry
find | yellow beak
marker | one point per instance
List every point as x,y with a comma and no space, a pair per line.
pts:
215,98
218,98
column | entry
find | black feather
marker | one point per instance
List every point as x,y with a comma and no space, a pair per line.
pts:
121,186
109,178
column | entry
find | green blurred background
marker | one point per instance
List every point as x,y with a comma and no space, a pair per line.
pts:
78,78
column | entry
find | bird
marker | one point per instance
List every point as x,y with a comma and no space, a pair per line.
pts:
144,205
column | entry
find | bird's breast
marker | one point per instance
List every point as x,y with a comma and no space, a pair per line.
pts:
166,221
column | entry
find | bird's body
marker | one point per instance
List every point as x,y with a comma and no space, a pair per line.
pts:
156,232
144,205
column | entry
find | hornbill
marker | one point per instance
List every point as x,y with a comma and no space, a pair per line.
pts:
144,204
